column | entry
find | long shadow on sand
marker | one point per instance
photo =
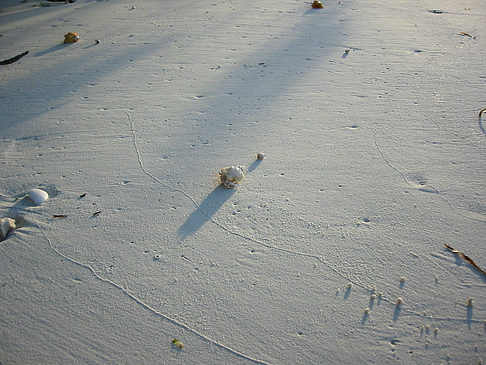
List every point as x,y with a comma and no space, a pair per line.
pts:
396,313
55,48
480,123
205,211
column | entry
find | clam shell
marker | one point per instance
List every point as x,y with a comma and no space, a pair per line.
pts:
38,196
6,225
230,176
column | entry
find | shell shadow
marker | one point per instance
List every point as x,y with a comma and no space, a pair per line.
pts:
396,313
480,123
365,318
347,293
55,48
205,211
469,316
254,165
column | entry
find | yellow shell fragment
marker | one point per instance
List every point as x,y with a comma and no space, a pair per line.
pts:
71,37
177,344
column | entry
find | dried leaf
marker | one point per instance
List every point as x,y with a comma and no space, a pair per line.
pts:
13,59
467,35
465,257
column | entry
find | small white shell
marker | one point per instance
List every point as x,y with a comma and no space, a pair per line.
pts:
38,196
6,225
230,176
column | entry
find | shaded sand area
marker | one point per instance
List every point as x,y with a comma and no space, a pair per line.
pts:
331,250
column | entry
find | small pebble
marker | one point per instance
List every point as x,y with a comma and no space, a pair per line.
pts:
97,41
399,301
260,156
469,302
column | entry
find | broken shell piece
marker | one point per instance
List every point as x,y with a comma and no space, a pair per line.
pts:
6,225
71,37
230,176
317,5
177,343
260,156
38,196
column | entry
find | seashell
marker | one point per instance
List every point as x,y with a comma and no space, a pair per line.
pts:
317,5
230,176
6,225
178,344
38,196
71,37
260,156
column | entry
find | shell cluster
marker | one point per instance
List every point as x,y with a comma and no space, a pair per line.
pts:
6,225
230,176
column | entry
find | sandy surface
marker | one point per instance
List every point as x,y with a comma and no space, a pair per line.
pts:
367,113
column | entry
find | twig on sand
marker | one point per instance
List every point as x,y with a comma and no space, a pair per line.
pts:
465,257
467,35
13,59
481,112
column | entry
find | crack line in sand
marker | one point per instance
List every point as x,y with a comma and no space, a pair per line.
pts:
284,250
211,219
148,172
436,191
151,309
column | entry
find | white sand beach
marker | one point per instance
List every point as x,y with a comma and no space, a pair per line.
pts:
368,114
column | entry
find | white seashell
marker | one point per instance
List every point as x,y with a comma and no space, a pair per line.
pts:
6,225
230,176
38,196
